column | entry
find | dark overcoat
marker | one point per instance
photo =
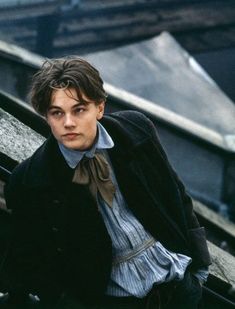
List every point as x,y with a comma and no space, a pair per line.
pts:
60,242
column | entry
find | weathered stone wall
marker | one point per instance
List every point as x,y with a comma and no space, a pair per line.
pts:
17,141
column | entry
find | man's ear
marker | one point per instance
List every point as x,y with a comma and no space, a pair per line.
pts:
100,111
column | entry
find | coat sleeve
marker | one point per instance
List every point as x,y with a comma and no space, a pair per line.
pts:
196,233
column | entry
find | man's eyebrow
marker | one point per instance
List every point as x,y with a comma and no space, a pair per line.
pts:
54,107
74,106
79,104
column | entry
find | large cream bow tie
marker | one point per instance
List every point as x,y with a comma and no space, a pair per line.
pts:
94,172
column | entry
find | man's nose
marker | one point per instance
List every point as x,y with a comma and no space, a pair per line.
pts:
69,121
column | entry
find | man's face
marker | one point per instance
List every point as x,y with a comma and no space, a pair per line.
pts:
72,123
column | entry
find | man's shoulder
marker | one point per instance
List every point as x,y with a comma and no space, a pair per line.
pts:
20,169
13,187
128,115
131,127
18,174
131,121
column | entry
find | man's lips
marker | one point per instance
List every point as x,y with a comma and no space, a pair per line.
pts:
70,135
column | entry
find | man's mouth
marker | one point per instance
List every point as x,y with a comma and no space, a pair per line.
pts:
70,135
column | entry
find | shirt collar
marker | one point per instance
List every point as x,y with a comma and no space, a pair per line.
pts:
73,157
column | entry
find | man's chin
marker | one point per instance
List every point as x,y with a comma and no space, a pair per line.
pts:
72,145
76,146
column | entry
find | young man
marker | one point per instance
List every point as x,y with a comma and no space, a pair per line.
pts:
101,220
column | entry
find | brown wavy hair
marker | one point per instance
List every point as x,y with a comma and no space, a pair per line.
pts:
62,73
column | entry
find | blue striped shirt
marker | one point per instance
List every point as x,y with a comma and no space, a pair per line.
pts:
135,276
134,270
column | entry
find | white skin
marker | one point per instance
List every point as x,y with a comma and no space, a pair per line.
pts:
73,123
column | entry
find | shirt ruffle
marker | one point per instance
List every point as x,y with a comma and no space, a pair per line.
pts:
153,265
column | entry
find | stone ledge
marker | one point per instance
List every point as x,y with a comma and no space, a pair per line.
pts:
223,264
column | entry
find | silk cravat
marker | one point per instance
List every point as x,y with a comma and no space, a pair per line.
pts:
95,173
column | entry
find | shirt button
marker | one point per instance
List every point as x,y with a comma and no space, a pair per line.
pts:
59,250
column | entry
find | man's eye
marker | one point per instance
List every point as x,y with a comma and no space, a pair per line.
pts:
56,113
79,110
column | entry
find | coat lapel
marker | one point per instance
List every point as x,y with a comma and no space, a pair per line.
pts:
142,185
